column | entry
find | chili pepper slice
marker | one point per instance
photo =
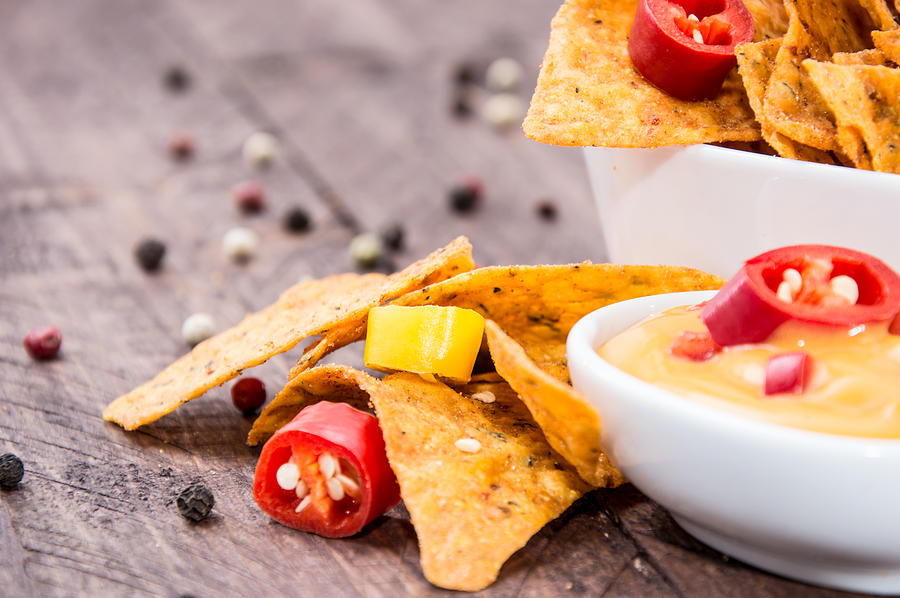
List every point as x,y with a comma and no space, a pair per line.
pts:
686,47
696,346
326,472
820,284
787,373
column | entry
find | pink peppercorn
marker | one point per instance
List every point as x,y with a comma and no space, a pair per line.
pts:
43,342
249,197
248,394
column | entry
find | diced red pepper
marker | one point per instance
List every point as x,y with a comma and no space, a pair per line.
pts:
787,372
326,472
748,309
696,346
664,48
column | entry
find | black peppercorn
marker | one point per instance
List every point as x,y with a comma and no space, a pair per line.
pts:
466,196
392,236
296,220
181,147
176,78
461,107
546,209
465,74
195,502
149,254
11,471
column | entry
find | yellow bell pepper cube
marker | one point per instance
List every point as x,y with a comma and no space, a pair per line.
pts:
442,341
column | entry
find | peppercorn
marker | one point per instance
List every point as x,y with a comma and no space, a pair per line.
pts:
176,78
181,147
392,236
239,244
11,471
195,502
466,196
260,149
365,249
504,74
249,196
546,209
248,395
296,220
465,74
149,254
503,111
43,342
461,107
197,328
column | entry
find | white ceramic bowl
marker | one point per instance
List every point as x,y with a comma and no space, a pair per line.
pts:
814,507
711,207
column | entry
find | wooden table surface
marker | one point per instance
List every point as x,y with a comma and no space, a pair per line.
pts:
359,93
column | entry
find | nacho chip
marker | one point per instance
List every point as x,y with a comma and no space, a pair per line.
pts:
889,44
334,306
817,29
866,100
536,306
589,94
756,61
471,510
770,19
330,382
874,57
571,425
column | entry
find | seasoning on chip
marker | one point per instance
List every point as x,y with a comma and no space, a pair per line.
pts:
472,508
335,307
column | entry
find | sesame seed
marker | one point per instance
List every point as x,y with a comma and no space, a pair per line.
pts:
335,489
303,503
197,328
485,396
468,445
328,465
287,476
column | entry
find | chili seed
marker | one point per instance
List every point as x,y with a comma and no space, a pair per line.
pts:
249,197
296,220
149,254
546,210
503,74
335,489
197,328
466,196
260,149
468,445
181,147
248,394
365,249
43,342
11,471
195,502
239,243
503,110
392,236
287,476
176,78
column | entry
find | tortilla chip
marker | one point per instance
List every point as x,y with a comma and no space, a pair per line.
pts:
872,57
589,94
889,44
471,511
571,425
854,147
441,265
770,19
865,99
881,14
536,306
817,29
329,306
756,61
330,382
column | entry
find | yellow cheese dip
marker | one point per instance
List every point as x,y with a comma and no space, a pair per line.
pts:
853,388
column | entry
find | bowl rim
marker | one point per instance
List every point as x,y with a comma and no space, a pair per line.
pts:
583,340
709,151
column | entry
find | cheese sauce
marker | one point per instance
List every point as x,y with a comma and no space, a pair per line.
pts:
853,389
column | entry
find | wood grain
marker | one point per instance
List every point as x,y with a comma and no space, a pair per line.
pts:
358,93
